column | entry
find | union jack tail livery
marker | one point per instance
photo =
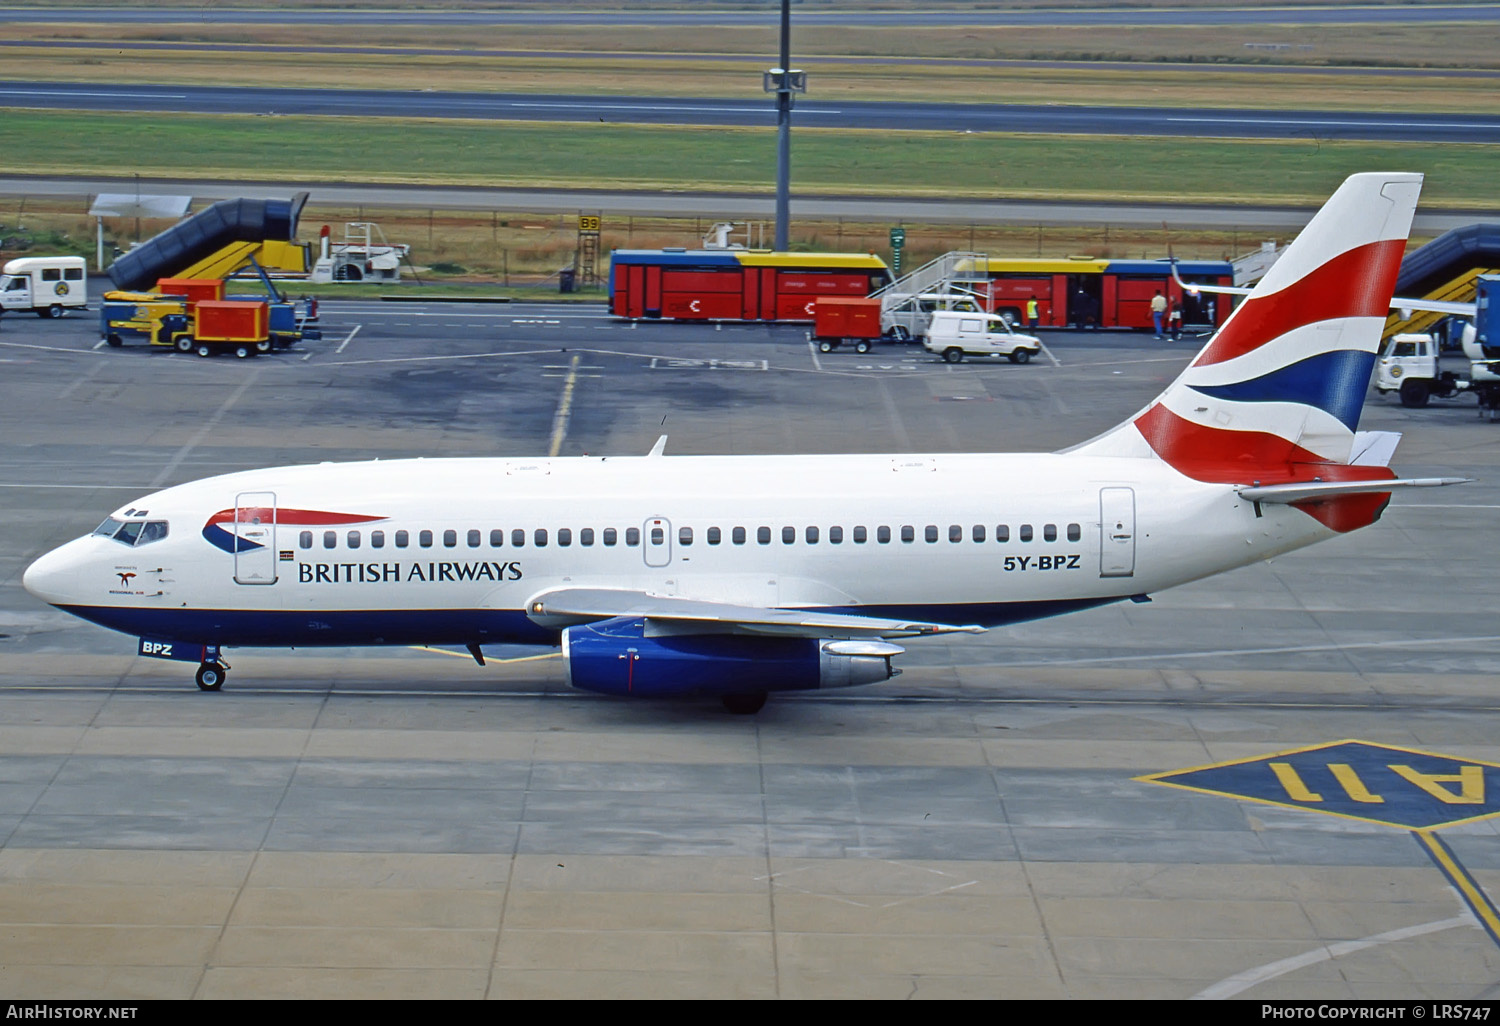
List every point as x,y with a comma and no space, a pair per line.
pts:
1282,382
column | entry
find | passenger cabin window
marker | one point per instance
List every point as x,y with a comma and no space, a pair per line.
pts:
737,536
610,536
931,533
684,536
402,539
859,536
1025,532
714,536
539,536
835,536
354,539
424,539
304,540
330,539
450,538
586,536
497,538
978,532
517,538
473,538
788,535
377,539
883,534
909,533
565,536
812,536
1074,532
763,535
1002,533
1049,532
632,536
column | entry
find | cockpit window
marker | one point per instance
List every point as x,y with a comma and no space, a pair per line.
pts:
133,532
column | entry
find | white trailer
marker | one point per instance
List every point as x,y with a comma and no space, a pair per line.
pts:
46,286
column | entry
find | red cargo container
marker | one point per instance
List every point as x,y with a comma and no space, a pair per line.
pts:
846,318
231,321
194,290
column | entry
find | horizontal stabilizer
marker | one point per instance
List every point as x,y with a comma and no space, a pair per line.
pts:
1311,491
667,614
1374,448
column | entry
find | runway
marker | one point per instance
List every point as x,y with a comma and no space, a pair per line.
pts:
407,824
1331,14
813,113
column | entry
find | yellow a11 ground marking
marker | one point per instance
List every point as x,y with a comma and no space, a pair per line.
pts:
1400,787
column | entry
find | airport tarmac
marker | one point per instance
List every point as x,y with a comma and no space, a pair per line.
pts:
405,823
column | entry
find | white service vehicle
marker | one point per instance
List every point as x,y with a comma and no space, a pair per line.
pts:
955,334
46,286
907,316
1408,366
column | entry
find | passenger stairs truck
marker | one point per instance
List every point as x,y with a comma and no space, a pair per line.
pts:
171,288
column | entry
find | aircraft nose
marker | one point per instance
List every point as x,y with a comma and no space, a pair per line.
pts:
54,577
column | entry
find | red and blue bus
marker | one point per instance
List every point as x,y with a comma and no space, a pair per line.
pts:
734,284
1107,293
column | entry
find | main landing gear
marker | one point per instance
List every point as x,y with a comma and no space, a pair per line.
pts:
210,676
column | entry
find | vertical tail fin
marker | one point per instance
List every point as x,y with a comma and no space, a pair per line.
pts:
1282,382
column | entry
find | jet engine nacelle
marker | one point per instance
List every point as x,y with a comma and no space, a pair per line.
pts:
617,657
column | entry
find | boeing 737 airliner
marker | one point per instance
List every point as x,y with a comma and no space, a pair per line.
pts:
737,576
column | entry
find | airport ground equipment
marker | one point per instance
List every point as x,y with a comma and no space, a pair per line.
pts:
364,255
735,284
162,282
45,286
1445,270
1408,363
852,320
194,315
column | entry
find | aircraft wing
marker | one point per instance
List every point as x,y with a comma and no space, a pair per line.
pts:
1402,304
668,614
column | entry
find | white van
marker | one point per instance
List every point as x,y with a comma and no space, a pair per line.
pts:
47,286
956,334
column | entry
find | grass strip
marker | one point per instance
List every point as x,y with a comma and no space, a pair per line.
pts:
606,156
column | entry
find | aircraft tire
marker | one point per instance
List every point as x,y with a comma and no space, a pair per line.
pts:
745,705
210,676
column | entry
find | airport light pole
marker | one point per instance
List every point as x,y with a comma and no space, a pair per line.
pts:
784,81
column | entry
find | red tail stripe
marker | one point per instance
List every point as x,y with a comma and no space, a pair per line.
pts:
1240,457
1357,283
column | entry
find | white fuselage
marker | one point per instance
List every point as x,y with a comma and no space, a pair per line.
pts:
451,550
